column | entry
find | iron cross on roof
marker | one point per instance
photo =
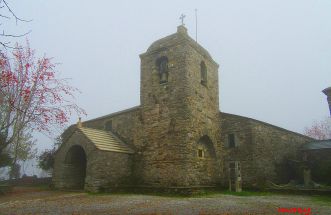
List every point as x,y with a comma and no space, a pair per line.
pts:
182,18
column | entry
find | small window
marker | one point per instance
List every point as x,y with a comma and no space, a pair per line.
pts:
231,140
109,125
203,73
200,153
162,64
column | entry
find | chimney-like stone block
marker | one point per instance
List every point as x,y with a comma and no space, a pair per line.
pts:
327,92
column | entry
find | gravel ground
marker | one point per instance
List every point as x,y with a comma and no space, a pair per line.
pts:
74,203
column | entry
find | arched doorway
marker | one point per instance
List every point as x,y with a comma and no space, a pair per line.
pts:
206,161
75,165
206,148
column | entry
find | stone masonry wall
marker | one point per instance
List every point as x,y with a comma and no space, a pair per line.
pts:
124,124
178,113
319,162
103,169
128,126
108,170
242,129
175,120
202,100
166,129
165,118
262,148
271,147
62,173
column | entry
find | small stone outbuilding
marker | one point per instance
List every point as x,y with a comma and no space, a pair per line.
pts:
177,138
92,159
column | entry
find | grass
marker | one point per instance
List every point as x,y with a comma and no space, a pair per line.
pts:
322,199
7,188
128,193
247,193
4,188
200,194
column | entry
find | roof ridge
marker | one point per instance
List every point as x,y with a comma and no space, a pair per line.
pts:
266,123
113,114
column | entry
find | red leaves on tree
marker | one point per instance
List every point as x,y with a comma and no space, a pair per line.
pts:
32,91
320,130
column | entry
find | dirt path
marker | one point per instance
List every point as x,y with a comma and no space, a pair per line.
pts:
55,202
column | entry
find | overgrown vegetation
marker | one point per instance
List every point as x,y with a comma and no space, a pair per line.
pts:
46,158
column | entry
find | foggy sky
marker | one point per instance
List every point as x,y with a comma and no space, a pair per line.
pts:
274,56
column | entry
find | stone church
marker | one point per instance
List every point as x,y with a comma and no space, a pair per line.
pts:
177,138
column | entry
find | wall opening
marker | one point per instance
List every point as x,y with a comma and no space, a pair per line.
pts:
231,140
162,65
206,161
235,181
75,168
207,146
203,73
109,125
200,153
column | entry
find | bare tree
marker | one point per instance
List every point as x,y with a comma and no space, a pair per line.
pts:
7,15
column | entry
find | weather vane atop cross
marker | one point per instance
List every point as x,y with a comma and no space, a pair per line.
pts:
182,18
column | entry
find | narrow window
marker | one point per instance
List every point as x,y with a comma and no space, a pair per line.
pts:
109,125
162,64
203,73
231,139
200,153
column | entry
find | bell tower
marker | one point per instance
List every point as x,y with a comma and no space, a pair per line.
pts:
180,113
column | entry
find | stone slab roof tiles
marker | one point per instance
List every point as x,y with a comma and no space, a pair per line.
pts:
106,141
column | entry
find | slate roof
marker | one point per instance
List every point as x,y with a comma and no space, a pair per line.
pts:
106,141
318,144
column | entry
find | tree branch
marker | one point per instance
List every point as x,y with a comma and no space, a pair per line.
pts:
13,35
13,14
